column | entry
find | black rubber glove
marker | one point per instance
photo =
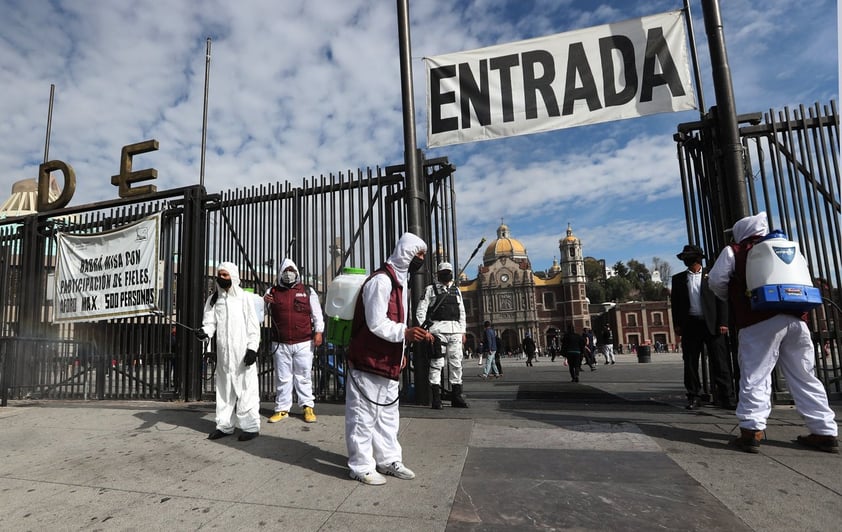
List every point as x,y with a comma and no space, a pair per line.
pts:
250,358
200,335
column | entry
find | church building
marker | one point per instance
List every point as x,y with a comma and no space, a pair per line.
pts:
507,293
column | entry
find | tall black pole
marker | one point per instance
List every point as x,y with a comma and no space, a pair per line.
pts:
416,190
732,173
49,127
205,112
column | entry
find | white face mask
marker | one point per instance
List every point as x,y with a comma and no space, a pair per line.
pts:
288,278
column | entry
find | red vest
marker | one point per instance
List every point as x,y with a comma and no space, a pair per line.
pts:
368,352
744,316
291,314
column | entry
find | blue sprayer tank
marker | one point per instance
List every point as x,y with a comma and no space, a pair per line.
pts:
777,276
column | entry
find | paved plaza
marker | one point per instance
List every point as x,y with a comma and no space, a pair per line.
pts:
534,452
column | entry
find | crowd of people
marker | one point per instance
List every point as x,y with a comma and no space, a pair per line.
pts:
381,331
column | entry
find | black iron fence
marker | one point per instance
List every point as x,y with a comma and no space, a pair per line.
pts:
324,224
792,173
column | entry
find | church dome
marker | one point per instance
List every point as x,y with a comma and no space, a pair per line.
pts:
571,238
503,246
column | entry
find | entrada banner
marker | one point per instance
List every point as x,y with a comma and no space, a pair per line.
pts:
611,72
113,274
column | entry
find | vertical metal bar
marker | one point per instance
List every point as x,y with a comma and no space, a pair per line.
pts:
49,123
695,57
205,113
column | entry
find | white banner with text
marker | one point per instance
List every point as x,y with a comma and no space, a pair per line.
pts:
113,274
624,70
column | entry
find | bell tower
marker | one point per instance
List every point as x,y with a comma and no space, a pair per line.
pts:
574,281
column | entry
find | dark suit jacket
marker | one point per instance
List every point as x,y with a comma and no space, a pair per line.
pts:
714,309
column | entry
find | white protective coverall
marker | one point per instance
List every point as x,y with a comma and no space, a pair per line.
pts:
450,331
783,339
233,319
371,430
294,362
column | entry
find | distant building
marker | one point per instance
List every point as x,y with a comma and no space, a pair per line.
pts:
517,301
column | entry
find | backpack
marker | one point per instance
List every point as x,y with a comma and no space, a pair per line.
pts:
777,276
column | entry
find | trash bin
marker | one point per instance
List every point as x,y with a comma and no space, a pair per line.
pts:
644,354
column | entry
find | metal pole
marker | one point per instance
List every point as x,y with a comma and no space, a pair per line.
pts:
416,190
49,123
695,57
205,112
732,169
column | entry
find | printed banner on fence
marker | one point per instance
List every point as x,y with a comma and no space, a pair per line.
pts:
611,72
113,274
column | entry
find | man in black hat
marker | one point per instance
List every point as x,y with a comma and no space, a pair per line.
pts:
700,318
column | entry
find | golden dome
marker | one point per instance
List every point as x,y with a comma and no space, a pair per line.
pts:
570,236
503,246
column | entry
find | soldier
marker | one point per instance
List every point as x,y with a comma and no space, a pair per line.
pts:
442,312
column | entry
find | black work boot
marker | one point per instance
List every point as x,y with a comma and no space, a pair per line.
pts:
748,441
436,399
457,400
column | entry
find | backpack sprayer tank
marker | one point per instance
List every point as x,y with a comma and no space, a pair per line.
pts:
777,276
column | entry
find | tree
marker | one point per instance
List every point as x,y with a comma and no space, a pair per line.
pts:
595,291
594,269
617,289
620,269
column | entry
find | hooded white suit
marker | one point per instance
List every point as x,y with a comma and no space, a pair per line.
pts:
233,320
783,339
371,430
294,362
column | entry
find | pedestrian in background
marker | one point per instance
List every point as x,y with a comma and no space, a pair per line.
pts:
572,349
607,344
490,346
528,346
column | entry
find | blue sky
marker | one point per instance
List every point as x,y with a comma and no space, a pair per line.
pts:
300,88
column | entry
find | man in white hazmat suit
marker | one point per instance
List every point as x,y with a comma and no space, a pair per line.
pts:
442,312
229,314
766,338
297,326
376,358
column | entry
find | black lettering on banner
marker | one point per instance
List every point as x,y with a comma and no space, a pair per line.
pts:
67,305
89,303
472,95
577,63
112,301
132,257
657,48
505,64
625,47
543,84
439,99
117,281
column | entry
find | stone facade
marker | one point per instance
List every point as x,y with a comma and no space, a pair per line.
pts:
516,301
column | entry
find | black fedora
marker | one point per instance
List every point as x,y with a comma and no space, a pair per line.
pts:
691,252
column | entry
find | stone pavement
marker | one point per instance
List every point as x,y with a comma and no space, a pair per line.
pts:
534,452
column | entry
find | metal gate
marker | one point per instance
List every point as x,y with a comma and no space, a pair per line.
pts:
792,173
324,224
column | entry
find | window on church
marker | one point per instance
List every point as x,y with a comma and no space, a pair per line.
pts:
631,320
573,269
657,318
549,301
572,252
